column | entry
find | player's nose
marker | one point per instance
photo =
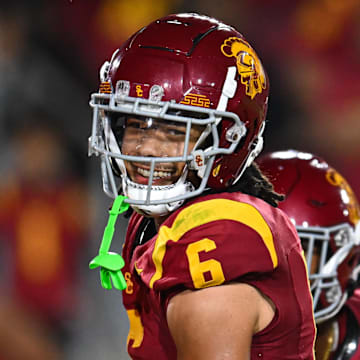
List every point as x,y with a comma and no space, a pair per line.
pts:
151,145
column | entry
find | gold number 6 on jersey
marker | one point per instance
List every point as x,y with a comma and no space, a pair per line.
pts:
199,268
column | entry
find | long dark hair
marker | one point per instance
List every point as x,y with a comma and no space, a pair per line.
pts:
253,182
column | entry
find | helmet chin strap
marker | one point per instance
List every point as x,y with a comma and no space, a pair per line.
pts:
135,191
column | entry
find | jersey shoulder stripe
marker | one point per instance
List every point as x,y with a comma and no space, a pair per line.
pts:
205,212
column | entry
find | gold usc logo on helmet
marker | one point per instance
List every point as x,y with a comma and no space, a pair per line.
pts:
248,64
335,179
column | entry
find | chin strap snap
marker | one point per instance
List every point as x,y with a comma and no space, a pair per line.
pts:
111,263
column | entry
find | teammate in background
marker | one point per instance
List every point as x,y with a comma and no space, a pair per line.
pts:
213,269
326,213
43,230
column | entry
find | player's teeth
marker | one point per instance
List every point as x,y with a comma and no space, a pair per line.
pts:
157,174
162,174
144,172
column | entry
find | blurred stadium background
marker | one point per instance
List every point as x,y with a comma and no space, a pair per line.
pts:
52,209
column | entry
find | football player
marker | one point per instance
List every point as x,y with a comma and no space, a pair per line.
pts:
326,213
213,269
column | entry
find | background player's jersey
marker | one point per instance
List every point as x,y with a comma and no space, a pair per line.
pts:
351,342
339,337
210,241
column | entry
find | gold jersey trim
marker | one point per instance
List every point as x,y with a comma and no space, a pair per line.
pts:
205,212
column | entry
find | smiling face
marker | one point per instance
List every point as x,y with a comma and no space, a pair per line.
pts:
156,138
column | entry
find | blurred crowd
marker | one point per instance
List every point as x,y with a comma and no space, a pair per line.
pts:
52,210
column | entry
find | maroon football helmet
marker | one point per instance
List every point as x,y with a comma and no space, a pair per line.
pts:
326,213
189,70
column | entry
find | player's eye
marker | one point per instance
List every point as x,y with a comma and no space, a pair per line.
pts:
136,124
176,131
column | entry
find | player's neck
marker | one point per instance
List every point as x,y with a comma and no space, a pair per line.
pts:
159,220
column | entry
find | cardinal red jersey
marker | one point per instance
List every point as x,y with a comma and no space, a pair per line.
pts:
338,337
349,329
353,339
210,241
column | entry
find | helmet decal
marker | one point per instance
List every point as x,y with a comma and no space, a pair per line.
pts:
156,93
139,91
334,178
105,87
122,88
196,100
215,171
248,64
